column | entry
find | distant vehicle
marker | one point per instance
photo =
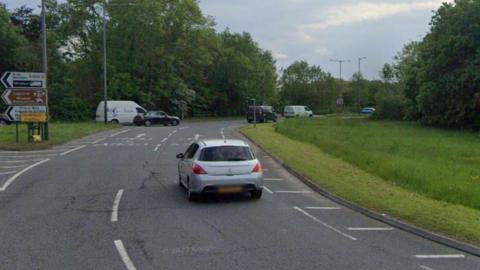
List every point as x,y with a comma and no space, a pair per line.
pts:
119,111
220,167
368,110
4,120
156,118
297,111
263,114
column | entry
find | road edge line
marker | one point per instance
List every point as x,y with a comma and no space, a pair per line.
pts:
124,255
11,179
72,150
116,204
402,225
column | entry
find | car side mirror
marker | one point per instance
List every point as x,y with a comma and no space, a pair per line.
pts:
180,156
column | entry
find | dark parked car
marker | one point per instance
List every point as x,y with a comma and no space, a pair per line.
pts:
156,118
263,114
4,120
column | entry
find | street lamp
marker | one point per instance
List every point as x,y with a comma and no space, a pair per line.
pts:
359,74
45,65
254,113
340,62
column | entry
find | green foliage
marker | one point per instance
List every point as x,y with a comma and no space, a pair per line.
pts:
389,107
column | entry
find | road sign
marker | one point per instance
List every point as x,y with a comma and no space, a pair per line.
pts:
25,96
34,117
13,112
24,80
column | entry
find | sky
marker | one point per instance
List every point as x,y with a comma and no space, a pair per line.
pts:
320,30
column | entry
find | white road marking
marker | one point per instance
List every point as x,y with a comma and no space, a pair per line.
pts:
58,149
324,224
124,255
426,267
444,256
12,167
30,156
5,173
370,229
323,208
11,179
221,132
72,150
175,131
141,135
273,179
118,133
267,190
294,191
99,140
164,140
157,147
183,128
116,203
19,161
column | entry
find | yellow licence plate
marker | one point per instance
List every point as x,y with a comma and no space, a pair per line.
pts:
230,189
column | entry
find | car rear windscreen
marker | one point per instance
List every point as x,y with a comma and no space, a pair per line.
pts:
226,153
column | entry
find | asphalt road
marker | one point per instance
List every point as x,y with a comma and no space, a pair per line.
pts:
111,201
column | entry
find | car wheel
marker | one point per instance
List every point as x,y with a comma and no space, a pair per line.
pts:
148,123
115,121
257,194
3,122
175,123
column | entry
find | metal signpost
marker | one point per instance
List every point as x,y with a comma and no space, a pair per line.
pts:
26,97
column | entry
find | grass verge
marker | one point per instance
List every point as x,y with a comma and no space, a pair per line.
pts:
358,186
60,132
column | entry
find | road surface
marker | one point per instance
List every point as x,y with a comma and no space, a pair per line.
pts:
111,201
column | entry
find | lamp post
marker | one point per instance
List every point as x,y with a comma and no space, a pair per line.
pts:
105,89
359,74
254,112
340,62
45,64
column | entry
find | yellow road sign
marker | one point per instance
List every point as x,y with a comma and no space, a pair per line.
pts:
34,117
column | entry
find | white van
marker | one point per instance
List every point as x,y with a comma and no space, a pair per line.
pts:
297,111
119,111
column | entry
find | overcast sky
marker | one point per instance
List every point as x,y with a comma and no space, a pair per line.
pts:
320,30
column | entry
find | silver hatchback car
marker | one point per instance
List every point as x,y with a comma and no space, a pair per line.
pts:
220,166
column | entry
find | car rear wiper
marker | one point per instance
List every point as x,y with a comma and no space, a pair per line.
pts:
236,159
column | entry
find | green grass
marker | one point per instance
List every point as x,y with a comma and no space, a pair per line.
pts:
442,165
60,132
362,187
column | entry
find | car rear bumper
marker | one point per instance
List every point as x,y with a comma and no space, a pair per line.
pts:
210,184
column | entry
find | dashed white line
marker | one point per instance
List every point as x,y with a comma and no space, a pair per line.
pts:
5,173
164,140
441,256
19,161
12,167
324,224
221,132
116,204
29,156
273,179
118,133
267,190
99,140
72,150
323,208
157,147
183,128
141,135
370,228
294,191
424,267
124,255
11,179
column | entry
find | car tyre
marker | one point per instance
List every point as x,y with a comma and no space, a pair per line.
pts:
115,121
180,181
257,194
175,123
148,123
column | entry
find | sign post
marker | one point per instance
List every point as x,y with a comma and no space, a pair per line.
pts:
26,96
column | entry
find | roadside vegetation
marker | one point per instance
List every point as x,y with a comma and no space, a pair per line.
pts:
60,132
427,177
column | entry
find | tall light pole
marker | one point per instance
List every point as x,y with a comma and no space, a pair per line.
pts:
105,90
359,74
45,63
340,62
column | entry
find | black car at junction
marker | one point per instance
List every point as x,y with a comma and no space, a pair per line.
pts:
156,118
262,114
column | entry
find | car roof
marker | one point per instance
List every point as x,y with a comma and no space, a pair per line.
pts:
219,142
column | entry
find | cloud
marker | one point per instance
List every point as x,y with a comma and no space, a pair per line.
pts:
322,51
280,56
366,11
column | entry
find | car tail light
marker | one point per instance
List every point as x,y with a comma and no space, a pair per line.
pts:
257,168
197,169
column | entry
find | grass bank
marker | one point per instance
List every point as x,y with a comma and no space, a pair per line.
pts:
60,132
346,179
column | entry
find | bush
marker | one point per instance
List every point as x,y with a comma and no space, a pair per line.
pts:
390,107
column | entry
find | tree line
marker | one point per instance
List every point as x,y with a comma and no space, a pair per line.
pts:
164,54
